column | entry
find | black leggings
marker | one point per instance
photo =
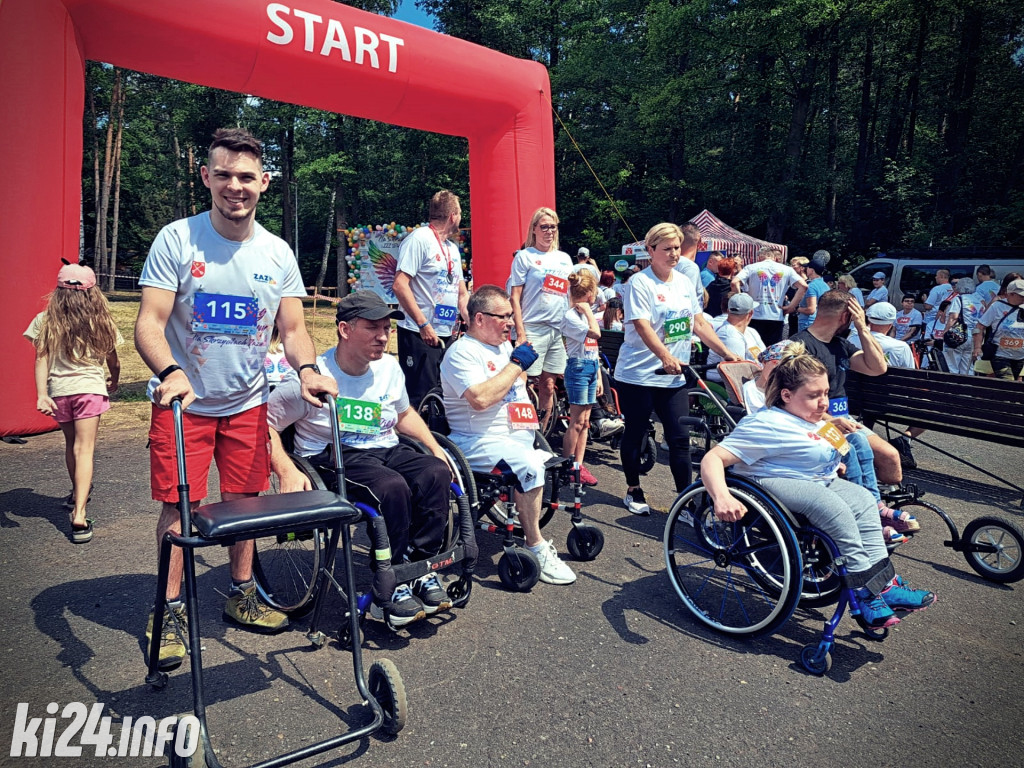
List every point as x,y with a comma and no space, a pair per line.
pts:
637,403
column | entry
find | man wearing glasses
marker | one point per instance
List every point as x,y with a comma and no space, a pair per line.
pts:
491,418
431,292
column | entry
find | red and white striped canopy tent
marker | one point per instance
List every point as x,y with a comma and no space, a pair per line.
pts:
720,237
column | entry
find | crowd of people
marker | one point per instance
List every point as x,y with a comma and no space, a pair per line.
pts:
221,320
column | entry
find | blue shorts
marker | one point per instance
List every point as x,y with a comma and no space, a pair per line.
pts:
581,381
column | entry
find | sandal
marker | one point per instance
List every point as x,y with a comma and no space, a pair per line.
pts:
893,538
81,535
901,520
69,500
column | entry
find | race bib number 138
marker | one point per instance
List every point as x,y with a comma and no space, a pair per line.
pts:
361,416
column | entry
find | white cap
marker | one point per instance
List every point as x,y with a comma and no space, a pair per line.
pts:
1017,287
881,313
584,252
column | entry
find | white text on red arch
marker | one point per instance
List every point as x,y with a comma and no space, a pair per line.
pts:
325,36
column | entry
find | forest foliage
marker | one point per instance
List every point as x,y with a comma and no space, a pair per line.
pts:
851,125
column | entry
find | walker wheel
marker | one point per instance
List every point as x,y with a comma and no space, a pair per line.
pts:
460,591
387,688
813,661
585,542
519,570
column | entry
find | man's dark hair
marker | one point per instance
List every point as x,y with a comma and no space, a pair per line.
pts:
483,299
237,140
986,270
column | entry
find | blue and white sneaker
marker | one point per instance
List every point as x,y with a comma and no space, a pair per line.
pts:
900,597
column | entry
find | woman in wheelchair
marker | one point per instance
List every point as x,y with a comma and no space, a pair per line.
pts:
792,452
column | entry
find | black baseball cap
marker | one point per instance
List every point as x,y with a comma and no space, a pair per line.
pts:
367,305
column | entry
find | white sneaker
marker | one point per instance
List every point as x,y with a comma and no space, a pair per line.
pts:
609,427
636,503
552,569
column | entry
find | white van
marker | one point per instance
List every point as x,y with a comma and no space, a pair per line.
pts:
913,271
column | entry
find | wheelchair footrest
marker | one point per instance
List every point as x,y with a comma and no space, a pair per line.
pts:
258,516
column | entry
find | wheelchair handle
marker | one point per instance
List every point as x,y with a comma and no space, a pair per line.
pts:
339,461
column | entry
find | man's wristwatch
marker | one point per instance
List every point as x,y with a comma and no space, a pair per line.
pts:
314,366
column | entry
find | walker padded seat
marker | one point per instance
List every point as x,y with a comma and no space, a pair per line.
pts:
258,516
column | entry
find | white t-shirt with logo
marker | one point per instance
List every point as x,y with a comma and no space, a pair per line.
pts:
544,277
467,363
368,407
577,344
907,320
426,259
897,353
775,443
669,307
746,345
227,295
766,282
1009,331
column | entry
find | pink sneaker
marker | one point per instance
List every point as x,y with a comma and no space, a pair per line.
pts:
587,477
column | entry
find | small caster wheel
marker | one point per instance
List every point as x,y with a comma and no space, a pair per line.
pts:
317,639
585,542
1002,562
387,688
157,680
813,661
459,591
345,635
519,570
877,634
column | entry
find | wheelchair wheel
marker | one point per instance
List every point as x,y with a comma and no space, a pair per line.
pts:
821,584
1004,565
285,567
453,506
702,441
387,688
550,478
585,542
520,571
460,467
648,452
719,570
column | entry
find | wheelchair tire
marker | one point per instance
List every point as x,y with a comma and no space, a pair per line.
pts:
717,427
286,566
719,569
585,542
386,686
463,472
1006,564
519,572
453,507
546,512
431,410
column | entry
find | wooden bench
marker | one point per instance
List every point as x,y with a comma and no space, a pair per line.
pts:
974,407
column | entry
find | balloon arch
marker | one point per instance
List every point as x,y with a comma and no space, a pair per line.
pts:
315,53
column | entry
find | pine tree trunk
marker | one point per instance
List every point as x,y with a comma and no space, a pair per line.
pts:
328,233
100,257
112,264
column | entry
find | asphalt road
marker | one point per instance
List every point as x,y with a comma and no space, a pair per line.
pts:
608,672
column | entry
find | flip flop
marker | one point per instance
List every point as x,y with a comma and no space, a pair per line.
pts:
82,535
69,500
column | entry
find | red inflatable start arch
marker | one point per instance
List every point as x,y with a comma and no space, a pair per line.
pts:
310,52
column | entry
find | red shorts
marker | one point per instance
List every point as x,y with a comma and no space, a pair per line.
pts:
239,443
79,407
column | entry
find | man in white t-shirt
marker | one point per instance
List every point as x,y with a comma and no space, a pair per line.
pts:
214,286
878,290
734,331
432,293
766,282
491,418
408,488
881,316
909,322
938,294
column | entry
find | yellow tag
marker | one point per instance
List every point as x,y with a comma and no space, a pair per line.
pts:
831,434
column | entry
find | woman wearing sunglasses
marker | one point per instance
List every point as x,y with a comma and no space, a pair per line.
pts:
539,292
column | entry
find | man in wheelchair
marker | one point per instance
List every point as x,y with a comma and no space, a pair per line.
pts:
408,488
794,453
491,418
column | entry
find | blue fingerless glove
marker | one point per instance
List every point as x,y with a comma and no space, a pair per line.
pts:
524,355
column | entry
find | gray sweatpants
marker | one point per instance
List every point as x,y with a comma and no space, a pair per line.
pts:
844,511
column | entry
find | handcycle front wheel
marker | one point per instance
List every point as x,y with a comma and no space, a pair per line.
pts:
1004,562
286,566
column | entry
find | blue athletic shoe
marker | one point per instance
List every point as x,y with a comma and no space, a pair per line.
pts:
874,611
900,597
